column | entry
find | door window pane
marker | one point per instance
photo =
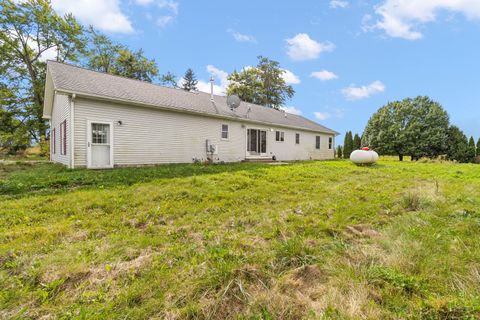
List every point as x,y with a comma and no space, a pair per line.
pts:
263,141
100,133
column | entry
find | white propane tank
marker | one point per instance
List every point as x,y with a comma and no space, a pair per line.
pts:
364,156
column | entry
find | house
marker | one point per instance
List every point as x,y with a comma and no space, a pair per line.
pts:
99,120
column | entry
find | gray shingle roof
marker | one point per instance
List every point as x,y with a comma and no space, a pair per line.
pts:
78,80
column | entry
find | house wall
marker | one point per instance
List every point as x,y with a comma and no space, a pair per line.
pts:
288,150
60,112
150,136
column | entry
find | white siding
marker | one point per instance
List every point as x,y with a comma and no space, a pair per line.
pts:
150,136
60,113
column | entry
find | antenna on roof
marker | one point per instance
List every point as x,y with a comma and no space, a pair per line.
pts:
211,87
233,102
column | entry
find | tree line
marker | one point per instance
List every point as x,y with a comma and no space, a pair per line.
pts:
31,30
416,127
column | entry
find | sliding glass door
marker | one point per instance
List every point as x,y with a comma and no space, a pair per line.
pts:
256,142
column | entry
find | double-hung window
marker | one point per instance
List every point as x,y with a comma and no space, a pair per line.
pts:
297,138
317,142
330,142
63,137
280,136
224,131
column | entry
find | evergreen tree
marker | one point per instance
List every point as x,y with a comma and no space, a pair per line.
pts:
478,147
189,81
471,153
339,152
347,145
357,142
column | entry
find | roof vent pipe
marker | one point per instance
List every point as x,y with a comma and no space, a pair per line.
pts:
211,87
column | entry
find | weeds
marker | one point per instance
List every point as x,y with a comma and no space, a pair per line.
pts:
240,241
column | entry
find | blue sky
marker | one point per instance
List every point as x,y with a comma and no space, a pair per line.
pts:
345,58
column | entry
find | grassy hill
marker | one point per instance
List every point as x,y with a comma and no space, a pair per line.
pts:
248,241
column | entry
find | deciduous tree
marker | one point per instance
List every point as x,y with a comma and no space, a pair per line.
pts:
262,84
416,127
457,148
31,32
107,56
169,80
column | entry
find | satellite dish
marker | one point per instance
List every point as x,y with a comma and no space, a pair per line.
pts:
233,102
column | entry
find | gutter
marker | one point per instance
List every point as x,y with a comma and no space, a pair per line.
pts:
130,102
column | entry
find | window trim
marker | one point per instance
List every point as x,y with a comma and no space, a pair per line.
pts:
318,142
63,138
54,147
297,138
225,131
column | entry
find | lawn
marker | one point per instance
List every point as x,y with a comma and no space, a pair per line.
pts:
245,241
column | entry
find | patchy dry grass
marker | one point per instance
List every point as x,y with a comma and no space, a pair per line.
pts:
246,241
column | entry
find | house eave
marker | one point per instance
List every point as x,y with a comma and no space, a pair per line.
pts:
198,113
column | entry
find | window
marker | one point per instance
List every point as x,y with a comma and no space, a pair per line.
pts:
53,141
280,136
330,142
297,138
317,142
225,131
63,137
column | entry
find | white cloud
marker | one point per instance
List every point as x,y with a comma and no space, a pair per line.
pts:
400,18
322,115
324,75
163,21
356,93
339,112
217,74
338,4
302,47
240,37
105,15
166,17
291,110
168,4
290,77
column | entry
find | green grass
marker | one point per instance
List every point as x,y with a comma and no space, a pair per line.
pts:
245,241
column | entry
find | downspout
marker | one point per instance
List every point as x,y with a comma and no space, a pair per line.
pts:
72,131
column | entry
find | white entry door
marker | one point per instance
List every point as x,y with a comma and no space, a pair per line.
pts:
99,145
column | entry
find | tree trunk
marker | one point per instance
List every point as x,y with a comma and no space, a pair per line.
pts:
400,157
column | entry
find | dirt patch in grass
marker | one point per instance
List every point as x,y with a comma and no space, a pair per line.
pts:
95,276
360,231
